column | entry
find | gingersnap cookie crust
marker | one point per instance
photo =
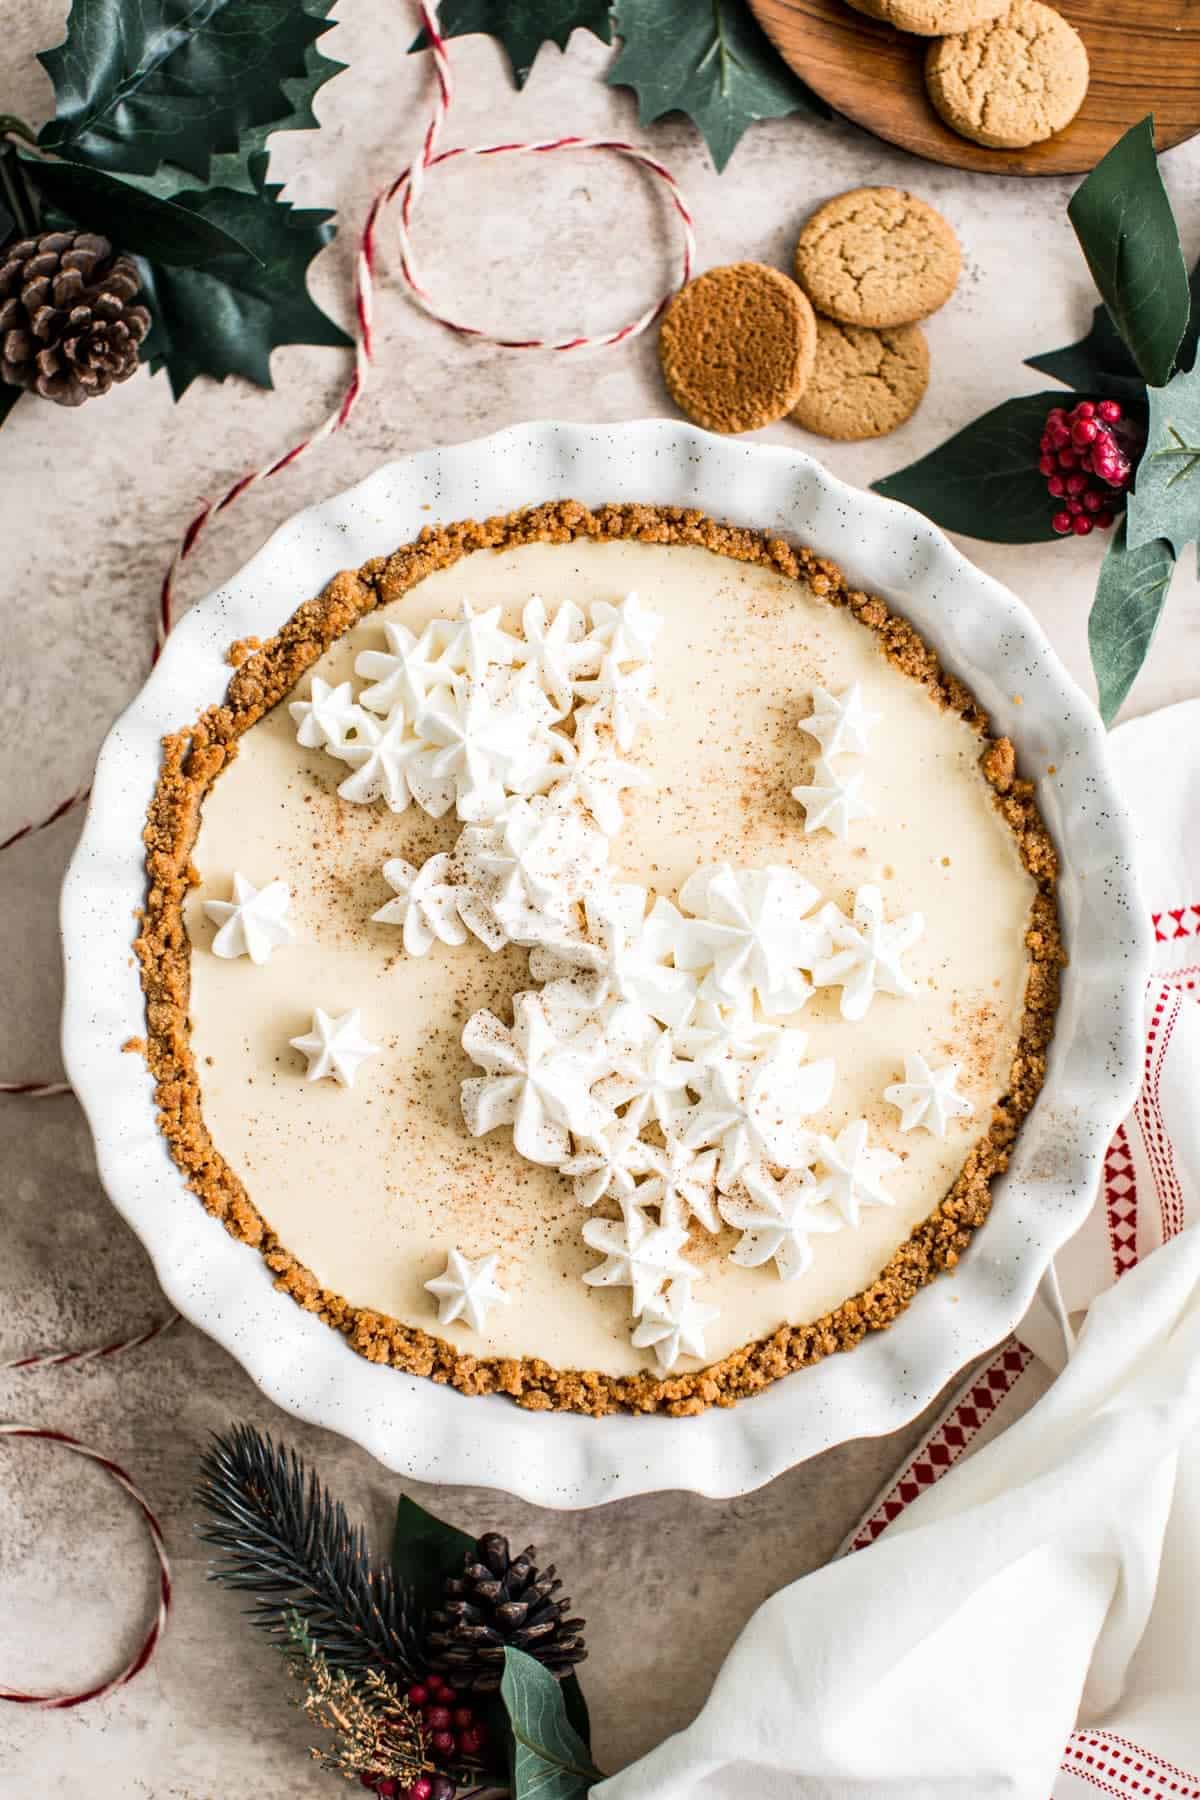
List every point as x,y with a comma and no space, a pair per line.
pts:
877,256
265,673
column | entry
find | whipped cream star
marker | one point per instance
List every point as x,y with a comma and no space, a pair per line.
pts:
253,923
466,1289
651,1080
833,800
555,650
776,1219
605,1164
335,1047
525,875
476,642
426,904
841,722
588,773
637,1254
623,956
852,1171
928,1096
620,698
628,630
751,1108
749,925
479,740
402,674
673,1324
679,1182
534,1080
381,756
866,953
327,718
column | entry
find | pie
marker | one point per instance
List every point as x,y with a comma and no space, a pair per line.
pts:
598,957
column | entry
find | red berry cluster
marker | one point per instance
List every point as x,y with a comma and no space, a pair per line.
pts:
1084,465
453,1733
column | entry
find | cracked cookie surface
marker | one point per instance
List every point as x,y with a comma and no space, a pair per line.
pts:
737,347
877,256
864,383
1012,82
931,18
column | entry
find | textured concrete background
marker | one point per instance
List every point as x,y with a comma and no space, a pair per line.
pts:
90,504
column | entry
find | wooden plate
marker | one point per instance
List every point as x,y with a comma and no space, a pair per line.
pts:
1145,57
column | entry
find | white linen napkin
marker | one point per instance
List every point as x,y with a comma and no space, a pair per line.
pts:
1017,1616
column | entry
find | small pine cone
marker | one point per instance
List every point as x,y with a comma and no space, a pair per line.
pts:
498,1600
69,325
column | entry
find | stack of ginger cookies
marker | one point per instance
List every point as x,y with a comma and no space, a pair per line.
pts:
1005,73
839,349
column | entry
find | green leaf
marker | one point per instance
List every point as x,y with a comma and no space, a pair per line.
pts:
523,26
550,1759
1127,231
984,481
1165,502
710,60
141,82
425,1550
1098,363
135,220
577,1708
226,318
1129,598
1185,357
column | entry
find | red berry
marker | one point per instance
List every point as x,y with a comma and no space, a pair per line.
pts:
1076,483
1068,459
1057,486
1085,410
1055,416
444,1693
1084,431
1044,442
1103,519
469,1743
1046,465
463,1718
418,1693
443,1742
387,1787
421,1789
1074,505
1093,500
437,1718
1110,411
1081,525
1059,434
1061,522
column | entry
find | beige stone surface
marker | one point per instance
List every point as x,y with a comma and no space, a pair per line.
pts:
90,504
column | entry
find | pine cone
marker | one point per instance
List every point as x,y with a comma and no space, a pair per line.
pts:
500,1599
68,325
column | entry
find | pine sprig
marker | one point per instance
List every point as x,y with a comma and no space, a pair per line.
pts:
282,1539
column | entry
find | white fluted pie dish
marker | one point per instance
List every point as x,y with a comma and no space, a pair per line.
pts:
981,632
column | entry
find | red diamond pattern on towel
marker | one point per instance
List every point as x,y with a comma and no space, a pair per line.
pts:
948,1439
1177,922
1120,1201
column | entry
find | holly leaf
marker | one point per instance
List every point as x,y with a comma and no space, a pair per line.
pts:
522,26
133,219
1129,599
1165,502
1127,232
984,481
425,1549
1185,356
550,1761
176,81
710,61
1099,363
226,318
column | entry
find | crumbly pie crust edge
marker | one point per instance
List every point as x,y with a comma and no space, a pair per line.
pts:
266,672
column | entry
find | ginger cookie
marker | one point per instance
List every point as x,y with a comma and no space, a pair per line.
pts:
1012,82
737,347
931,18
864,383
877,256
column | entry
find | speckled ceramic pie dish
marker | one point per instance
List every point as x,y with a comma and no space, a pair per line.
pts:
983,639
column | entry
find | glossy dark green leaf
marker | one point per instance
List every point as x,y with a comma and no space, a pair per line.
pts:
141,82
710,60
577,1708
1098,363
1186,355
1165,502
226,318
1129,599
425,1550
1127,231
550,1760
523,26
135,220
984,481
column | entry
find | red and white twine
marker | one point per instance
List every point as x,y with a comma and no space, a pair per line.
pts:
407,187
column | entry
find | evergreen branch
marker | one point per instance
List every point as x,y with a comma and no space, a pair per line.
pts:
281,1538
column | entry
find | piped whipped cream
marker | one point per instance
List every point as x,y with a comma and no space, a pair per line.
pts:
253,922
928,1097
